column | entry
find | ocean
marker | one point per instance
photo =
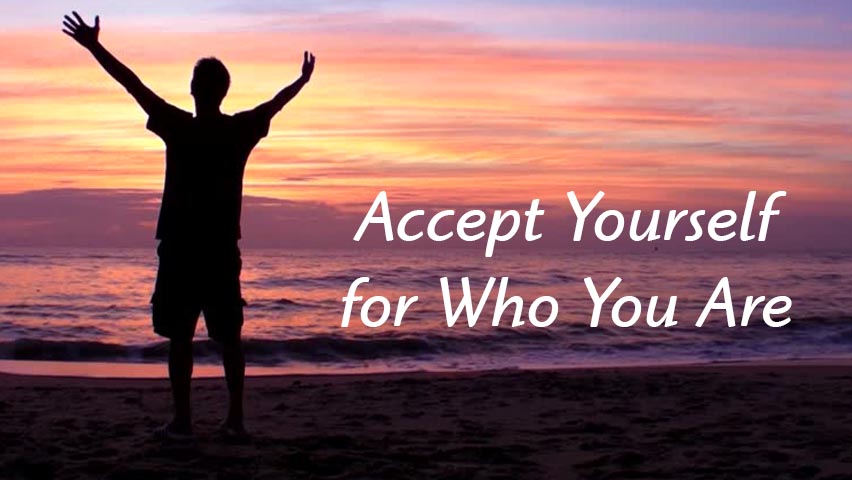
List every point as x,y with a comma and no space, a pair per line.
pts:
61,307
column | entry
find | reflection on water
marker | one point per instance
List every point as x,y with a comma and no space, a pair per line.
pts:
92,305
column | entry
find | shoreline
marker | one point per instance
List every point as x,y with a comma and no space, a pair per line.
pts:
158,370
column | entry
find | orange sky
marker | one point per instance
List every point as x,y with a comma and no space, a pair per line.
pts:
446,116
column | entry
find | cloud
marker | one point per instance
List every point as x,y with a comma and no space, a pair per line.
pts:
111,217
126,218
441,111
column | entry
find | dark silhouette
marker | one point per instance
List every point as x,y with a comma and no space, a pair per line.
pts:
199,223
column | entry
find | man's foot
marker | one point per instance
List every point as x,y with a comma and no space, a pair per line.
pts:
171,432
234,432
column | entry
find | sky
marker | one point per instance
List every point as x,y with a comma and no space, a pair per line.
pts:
661,104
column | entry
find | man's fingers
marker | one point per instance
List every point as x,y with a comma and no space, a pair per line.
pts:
71,21
78,17
97,21
306,56
69,26
66,32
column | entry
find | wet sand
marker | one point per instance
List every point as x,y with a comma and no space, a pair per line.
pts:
749,421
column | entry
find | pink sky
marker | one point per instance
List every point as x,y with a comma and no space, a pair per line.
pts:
467,110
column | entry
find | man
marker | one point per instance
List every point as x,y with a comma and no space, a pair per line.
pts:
199,223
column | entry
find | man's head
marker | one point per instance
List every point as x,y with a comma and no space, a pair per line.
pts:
210,82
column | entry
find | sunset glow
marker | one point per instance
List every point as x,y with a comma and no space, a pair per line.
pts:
455,105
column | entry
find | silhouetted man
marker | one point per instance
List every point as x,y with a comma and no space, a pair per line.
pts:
199,224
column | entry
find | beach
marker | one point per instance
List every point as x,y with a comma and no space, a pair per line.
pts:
521,240
741,420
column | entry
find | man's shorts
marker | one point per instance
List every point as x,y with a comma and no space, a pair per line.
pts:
192,279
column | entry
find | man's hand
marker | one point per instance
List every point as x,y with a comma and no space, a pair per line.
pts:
272,107
85,35
308,65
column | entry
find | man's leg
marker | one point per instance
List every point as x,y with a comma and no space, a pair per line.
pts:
180,375
234,361
175,312
224,319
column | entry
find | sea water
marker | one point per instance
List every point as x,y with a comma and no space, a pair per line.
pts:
92,305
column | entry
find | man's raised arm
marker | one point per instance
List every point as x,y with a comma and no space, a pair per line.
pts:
87,36
272,107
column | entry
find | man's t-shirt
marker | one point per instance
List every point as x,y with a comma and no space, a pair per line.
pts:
205,161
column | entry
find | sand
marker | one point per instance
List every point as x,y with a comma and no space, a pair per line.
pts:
709,422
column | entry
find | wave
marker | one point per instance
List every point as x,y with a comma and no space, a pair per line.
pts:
106,308
324,348
412,277
806,336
